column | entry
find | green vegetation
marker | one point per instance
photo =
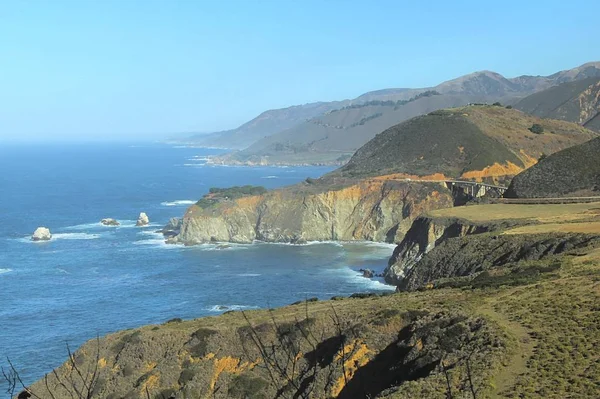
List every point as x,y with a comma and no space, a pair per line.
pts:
536,128
389,103
571,172
216,195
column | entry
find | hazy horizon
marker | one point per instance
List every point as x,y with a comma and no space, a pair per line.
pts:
139,70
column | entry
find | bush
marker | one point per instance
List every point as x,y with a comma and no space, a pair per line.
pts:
508,107
536,128
497,104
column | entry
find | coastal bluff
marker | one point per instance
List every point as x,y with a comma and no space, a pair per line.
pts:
373,210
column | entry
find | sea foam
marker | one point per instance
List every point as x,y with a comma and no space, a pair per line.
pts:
178,203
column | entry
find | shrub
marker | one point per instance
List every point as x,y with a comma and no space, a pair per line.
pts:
508,107
497,104
536,128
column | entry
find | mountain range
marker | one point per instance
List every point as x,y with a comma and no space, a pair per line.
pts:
330,132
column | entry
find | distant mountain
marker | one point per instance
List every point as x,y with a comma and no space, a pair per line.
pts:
309,134
475,142
335,136
572,172
577,101
266,124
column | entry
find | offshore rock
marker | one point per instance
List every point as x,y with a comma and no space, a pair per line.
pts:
41,234
172,228
143,220
110,222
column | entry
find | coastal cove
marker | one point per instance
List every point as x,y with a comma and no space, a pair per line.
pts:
91,279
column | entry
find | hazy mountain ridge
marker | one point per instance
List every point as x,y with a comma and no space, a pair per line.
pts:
577,101
332,139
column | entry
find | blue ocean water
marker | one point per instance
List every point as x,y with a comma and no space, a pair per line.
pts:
92,280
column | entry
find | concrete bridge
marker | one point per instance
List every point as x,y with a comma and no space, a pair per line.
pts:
475,189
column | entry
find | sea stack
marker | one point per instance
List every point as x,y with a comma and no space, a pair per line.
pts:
110,222
41,234
143,220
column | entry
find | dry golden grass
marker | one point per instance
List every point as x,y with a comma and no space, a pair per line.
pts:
585,228
542,213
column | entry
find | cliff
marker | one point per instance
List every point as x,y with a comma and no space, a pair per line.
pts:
443,245
374,210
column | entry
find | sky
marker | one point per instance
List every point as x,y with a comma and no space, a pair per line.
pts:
137,70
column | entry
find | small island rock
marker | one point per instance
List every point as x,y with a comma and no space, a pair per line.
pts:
110,222
41,234
143,220
367,273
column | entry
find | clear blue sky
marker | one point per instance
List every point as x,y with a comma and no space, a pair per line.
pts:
144,69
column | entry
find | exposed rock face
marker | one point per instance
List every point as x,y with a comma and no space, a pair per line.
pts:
374,210
438,248
143,220
172,228
110,222
41,234
467,255
424,234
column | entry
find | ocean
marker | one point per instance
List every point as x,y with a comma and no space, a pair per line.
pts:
91,280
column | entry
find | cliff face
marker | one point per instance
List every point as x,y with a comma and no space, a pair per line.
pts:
435,249
369,210
422,237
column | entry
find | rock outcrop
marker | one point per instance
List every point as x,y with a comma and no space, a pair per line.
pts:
470,255
441,248
172,228
423,236
143,220
41,234
374,210
110,222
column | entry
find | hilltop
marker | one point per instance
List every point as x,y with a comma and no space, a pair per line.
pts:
573,172
475,142
577,101
314,133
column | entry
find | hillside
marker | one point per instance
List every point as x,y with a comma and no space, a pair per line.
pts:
334,137
475,142
266,124
577,101
573,172
302,140
518,320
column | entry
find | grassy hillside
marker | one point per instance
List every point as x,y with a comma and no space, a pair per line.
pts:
577,101
572,172
519,330
475,142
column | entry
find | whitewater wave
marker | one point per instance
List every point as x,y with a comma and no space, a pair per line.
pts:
75,236
178,203
304,244
225,308
157,240
98,225
364,283
249,275
4,271
270,177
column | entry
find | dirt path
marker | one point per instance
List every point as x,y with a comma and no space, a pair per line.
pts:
517,364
